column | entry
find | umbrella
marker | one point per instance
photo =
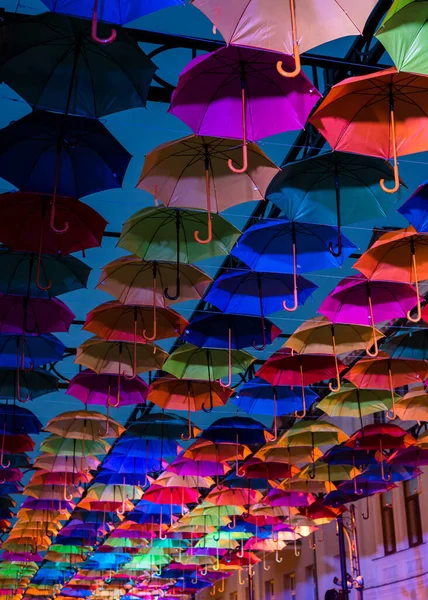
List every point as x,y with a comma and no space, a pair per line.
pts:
413,406
31,351
278,245
22,274
317,433
402,33
25,216
362,301
285,368
255,468
303,190
110,357
17,419
217,452
23,314
193,173
51,153
381,114
387,373
237,429
352,401
83,425
398,256
409,342
319,336
53,63
207,364
286,27
190,395
133,281
415,209
258,294
227,81
59,464
107,390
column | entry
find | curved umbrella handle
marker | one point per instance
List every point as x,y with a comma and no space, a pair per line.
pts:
240,553
229,363
52,218
189,422
277,558
240,580
117,402
38,271
134,366
232,524
366,516
209,218
303,414
336,364
221,588
265,566
244,136
213,591
153,337
393,410
418,305
374,342
339,246
394,150
296,51
94,28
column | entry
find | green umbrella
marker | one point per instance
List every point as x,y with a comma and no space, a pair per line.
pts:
353,402
206,364
59,446
335,188
404,34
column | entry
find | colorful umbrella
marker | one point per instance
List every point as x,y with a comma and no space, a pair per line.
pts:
415,209
278,245
409,342
227,81
107,390
318,433
381,114
303,190
413,406
352,401
84,425
30,351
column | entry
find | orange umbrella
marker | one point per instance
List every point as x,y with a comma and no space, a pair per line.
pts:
190,395
398,256
382,114
386,373
222,452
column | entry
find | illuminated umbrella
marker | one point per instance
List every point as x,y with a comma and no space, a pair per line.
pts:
193,173
84,425
317,433
84,445
413,406
327,472
352,401
320,336
387,373
217,452
58,464
381,114
107,390
225,496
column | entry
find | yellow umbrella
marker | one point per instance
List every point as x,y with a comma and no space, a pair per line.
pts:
321,336
413,406
316,433
84,425
325,472
289,454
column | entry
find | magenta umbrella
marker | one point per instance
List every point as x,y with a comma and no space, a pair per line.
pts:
103,390
361,301
237,92
23,314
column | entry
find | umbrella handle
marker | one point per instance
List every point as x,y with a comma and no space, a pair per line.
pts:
38,271
296,51
240,580
213,591
303,414
232,524
240,553
204,571
374,344
114,404
296,551
209,219
210,409
366,516
394,150
244,137
277,558
153,337
336,364
134,367
265,566
94,28
221,588
312,542
296,297
52,218
393,414
339,246
189,422
418,306
18,388
229,363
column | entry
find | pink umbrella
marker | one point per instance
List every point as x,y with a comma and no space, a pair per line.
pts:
361,301
237,92
104,390
22,314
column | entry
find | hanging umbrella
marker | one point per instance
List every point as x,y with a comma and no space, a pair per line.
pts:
190,395
115,358
303,190
317,433
227,81
361,301
409,342
278,245
84,425
398,256
106,390
206,364
343,455
217,452
286,27
53,63
233,497
381,114
22,274
59,464
241,430
25,224
286,368
23,314
255,467
30,351
258,294
193,173
415,209
352,401
187,466
17,419
402,33
413,406
320,336
321,471
387,373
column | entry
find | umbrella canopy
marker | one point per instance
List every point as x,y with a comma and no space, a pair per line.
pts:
193,395
318,433
415,209
409,342
53,62
351,401
403,34
387,436
22,314
413,406
84,425
107,390
30,351
17,419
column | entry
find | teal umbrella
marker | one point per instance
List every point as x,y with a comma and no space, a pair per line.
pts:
335,188
404,34
34,384
409,342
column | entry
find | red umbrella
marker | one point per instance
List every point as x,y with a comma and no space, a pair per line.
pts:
287,368
255,468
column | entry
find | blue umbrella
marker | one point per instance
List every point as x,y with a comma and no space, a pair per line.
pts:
259,294
415,209
16,419
240,430
342,455
119,463
19,352
409,343
230,331
109,478
281,246
259,397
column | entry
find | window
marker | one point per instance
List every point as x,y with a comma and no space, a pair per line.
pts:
311,579
388,529
290,586
234,596
270,590
413,512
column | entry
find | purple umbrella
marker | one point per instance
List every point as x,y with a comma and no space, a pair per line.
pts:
360,301
23,314
237,92
103,390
